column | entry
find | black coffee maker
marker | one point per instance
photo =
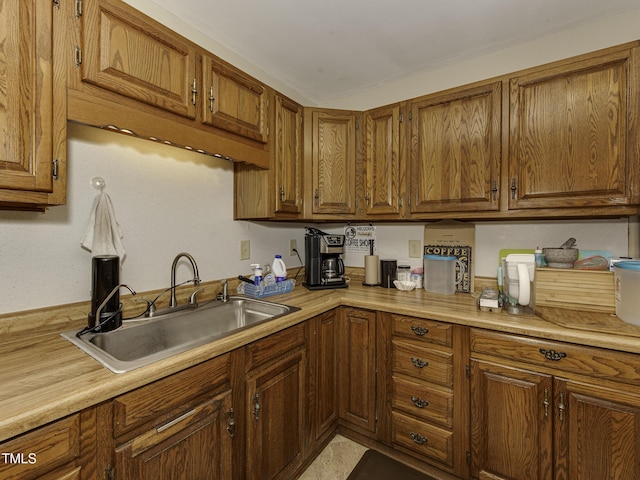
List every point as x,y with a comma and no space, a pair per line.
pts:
323,264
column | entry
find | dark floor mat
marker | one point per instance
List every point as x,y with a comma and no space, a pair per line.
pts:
375,466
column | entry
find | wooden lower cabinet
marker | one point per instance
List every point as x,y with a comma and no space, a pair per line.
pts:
546,410
195,445
276,398
429,391
61,450
323,375
357,370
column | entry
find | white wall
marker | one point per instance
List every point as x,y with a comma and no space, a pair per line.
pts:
392,241
166,200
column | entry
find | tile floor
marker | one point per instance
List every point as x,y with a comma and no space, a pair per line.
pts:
336,461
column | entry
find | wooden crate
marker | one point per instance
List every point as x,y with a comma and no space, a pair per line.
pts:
592,291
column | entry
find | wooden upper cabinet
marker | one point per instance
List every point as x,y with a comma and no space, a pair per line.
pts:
31,130
383,161
130,54
455,150
286,146
573,140
332,138
233,100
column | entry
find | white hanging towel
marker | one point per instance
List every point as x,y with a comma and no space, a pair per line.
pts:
104,234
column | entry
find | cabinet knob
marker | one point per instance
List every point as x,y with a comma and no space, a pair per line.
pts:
417,438
553,355
419,331
418,362
419,402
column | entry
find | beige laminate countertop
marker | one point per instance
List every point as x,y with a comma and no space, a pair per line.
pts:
45,377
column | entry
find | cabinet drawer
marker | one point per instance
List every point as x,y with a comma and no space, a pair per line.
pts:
273,346
423,363
422,401
421,329
422,438
592,361
152,401
42,450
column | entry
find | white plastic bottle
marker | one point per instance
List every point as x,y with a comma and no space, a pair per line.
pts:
257,274
279,269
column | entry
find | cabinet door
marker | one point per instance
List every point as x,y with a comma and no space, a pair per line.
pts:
511,423
597,432
287,153
325,374
456,150
383,185
571,134
196,444
357,369
276,402
233,100
26,99
132,55
333,162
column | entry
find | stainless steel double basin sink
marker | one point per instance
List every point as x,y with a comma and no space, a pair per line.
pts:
142,342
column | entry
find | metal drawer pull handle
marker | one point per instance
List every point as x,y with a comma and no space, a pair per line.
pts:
175,421
417,438
419,402
419,363
420,331
552,354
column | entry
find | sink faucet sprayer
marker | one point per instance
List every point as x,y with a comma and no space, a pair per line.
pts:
196,278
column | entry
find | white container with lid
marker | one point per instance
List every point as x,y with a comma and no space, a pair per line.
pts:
627,290
440,274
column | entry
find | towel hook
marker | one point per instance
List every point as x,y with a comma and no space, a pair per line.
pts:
98,183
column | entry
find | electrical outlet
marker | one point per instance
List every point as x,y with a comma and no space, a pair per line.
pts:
414,248
245,249
293,245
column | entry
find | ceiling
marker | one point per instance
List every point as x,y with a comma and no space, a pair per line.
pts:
329,49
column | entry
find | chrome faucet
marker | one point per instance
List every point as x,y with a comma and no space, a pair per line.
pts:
196,279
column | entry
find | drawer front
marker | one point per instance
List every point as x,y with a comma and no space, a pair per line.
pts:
423,363
422,401
42,450
591,361
152,401
421,329
269,348
423,439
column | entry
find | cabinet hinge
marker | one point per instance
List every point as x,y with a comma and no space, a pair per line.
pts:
410,115
468,457
77,56
54,169
109,473
357,125
467,371
401,118
56,3
78,8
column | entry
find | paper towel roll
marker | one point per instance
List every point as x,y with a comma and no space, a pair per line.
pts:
371,264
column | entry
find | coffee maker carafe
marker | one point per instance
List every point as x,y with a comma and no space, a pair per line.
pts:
324,267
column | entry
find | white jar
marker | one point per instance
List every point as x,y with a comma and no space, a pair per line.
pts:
627,286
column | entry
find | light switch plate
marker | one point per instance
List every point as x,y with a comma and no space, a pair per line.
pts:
245,249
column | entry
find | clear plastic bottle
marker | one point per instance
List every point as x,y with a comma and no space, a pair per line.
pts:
257,274
279,269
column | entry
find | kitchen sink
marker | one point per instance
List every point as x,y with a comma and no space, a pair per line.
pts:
141,342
